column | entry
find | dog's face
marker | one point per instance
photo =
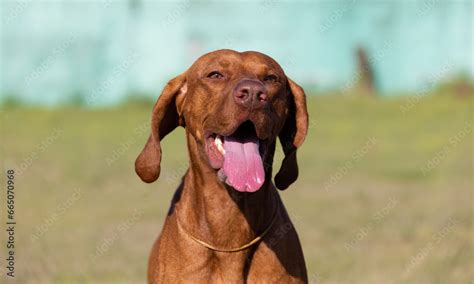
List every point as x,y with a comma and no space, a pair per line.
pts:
234,105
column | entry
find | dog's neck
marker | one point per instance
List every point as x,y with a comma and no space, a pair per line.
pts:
217,213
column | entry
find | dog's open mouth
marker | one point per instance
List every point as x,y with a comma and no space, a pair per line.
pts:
238,158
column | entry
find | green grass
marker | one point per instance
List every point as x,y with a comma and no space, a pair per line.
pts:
380,201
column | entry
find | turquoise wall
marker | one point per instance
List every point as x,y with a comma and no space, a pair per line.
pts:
52,50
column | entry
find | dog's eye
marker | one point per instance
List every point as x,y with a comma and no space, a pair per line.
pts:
215,75
270,78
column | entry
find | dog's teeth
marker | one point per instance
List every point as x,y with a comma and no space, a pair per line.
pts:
218,143
221,149
217,140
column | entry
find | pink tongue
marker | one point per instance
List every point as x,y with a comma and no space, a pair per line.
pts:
243,165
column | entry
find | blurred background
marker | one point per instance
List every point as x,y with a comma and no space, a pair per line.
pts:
102,51
385,193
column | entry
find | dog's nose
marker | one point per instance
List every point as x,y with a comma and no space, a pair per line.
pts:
250,94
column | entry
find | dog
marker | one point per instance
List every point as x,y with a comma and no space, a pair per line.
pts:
226,222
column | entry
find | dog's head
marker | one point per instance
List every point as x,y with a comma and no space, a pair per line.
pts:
234,105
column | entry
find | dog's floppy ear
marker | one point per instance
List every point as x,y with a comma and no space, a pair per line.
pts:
292,135
165,118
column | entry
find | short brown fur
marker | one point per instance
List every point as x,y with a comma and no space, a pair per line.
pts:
206,207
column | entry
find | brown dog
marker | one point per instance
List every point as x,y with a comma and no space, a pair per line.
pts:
227,223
